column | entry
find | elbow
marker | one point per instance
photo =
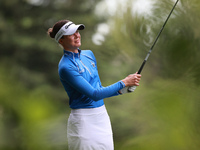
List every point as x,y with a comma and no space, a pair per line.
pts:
96,96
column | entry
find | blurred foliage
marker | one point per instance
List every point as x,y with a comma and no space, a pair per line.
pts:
163,112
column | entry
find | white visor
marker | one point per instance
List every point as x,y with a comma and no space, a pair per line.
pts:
68,29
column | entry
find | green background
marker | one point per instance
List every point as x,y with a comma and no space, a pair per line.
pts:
162,113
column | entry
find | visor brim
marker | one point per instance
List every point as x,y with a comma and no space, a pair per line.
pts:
73,28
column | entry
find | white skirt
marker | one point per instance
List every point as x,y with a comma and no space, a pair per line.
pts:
89,129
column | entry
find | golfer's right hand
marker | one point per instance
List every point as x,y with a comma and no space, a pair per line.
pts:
132,80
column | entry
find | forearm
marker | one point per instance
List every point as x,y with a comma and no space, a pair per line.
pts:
93,91
108,91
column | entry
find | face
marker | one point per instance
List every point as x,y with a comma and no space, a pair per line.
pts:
71,42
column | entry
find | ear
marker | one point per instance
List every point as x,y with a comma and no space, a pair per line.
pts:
60,41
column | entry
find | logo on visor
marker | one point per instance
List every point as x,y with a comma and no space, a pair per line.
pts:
67,26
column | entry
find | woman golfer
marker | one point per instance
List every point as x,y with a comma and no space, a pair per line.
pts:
89,126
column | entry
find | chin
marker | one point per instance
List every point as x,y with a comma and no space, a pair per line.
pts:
78,45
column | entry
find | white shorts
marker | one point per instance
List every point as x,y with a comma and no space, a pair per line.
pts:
89,129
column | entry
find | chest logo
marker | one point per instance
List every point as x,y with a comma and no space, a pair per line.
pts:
92,64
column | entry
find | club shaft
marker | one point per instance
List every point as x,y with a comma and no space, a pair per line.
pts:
145,60
131,89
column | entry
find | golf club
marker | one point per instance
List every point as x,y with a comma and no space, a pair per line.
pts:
131,89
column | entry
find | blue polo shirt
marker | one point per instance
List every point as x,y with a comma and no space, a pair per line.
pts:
79,76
